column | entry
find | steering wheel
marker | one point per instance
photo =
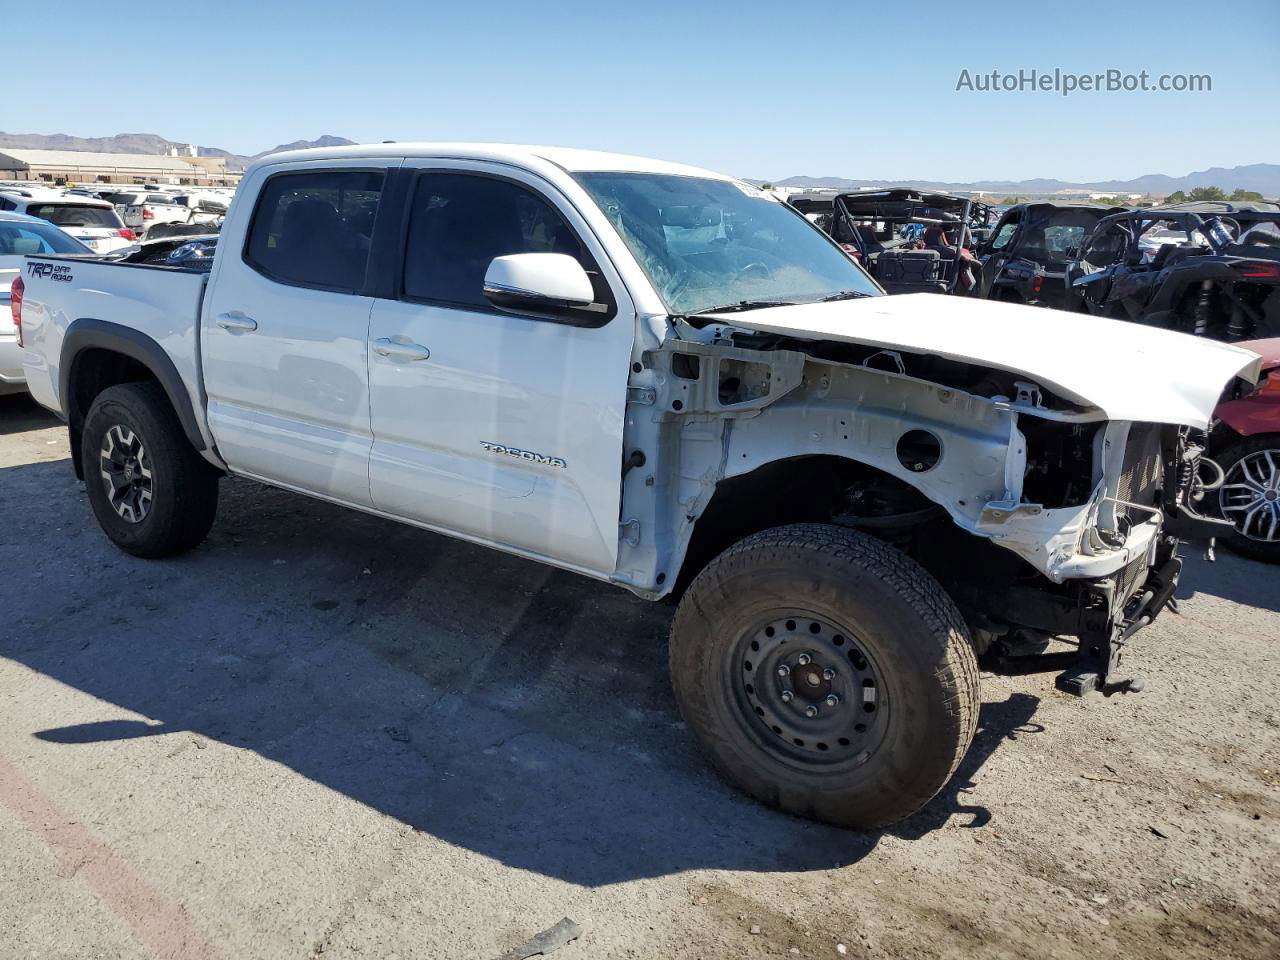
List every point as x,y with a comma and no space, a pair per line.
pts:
760,268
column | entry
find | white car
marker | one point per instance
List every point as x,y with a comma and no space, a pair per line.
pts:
22,236
205,208
142,211
94,223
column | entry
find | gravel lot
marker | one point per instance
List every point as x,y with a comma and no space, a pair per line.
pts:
326,734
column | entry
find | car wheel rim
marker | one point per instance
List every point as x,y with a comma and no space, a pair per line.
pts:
1250,496
126,474
809,692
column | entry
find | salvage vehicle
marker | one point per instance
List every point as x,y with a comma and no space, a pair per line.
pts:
94,223
1245,443
1220,281
21,235
870,225
1024,260
668,380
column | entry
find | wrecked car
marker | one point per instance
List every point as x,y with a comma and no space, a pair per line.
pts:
1209,268
668,380
1025,260
1245,445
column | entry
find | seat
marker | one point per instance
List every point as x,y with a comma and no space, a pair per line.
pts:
870,241
910,270
1172,253
315,246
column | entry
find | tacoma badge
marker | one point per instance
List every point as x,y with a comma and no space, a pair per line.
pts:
523,454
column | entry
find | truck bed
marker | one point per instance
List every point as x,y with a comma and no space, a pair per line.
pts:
161,303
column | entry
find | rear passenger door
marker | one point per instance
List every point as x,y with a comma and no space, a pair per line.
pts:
501,427
285,329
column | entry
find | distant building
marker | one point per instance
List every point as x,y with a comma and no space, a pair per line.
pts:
74,166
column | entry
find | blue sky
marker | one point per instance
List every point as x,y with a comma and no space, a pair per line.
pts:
758,90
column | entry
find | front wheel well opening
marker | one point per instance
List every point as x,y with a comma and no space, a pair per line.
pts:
805,489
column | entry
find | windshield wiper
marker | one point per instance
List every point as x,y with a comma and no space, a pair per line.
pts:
742,305
843,295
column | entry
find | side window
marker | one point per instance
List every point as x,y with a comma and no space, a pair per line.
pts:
1004,235
460,222
314,229
7,204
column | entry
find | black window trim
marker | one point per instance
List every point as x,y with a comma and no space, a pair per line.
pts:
368,287
413,176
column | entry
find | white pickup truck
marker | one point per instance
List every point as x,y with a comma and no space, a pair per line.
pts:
666,379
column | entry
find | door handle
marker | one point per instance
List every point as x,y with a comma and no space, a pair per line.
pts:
403,351
236,321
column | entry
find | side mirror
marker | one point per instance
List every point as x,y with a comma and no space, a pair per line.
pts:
545,283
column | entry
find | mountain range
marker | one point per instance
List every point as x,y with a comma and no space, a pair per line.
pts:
1262,177
151,143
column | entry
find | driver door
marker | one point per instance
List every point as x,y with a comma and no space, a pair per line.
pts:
491,425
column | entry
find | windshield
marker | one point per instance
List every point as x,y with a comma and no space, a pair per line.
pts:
18,238
713,243
75,215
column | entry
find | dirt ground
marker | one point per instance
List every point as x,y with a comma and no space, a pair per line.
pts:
323,734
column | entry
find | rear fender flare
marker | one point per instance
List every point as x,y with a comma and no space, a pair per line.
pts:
88,333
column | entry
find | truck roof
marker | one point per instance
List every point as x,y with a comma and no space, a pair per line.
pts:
53,196
567,158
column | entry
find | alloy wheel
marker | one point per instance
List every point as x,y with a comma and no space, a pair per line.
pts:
1250,496
126,473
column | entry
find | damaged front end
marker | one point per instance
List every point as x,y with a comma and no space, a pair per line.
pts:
1113,564
1040,516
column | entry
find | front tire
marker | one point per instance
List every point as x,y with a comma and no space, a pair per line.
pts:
827,674
153,494
1250,496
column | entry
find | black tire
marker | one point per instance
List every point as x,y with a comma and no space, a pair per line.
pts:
183,487
893,619
1253,547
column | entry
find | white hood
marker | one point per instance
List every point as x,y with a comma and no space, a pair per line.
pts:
1129,371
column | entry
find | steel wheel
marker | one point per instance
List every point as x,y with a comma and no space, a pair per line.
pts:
1250,496
809,692
126,473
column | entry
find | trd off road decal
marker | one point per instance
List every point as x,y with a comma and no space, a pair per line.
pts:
50,271
523,454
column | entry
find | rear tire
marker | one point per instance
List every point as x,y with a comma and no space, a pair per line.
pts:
845,615
153,494
1251,468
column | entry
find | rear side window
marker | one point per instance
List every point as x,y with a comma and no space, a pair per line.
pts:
20,239
73,215
314,229
460,222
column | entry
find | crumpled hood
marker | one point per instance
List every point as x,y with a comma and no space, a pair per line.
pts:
1129,371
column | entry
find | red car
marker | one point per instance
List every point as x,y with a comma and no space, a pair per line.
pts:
1246,444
